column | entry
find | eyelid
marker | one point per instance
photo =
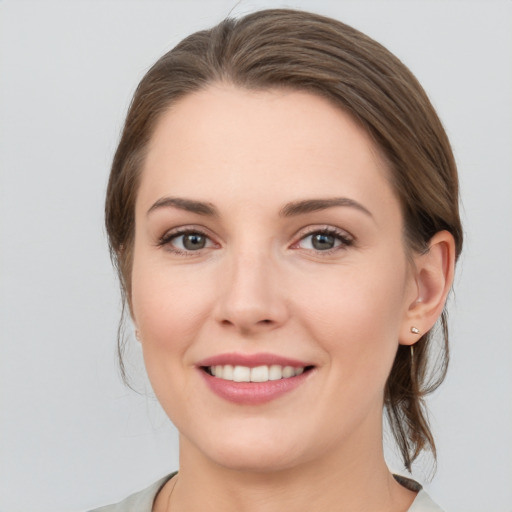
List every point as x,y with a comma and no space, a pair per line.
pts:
343,236
318,228
165,240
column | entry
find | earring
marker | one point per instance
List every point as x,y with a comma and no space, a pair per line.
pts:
415,330
137,334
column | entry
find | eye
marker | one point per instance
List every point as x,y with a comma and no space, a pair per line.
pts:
325,240
186,241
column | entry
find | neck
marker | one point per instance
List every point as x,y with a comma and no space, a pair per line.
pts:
343,480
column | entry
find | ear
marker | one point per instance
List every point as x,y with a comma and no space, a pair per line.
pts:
432,276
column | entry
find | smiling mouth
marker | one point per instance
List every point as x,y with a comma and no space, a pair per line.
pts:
263,373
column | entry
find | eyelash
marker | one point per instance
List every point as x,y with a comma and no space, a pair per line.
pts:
345,239
339,235
166,240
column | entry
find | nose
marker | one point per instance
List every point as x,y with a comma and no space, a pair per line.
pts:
252,295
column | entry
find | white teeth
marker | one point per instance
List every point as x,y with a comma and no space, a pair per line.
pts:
288,371
256,374
227,372
259,374
275,372
242,374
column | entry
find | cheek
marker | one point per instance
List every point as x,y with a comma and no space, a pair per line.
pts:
168,306
169,309
356,316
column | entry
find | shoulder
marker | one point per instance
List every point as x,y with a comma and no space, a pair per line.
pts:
423,503
141,501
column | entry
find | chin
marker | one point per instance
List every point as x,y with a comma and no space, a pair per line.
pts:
254,460
254,450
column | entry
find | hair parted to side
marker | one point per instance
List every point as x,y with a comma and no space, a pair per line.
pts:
281,48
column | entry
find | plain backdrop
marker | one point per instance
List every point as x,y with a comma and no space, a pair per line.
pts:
72,436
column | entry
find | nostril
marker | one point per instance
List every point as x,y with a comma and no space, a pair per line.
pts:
248,321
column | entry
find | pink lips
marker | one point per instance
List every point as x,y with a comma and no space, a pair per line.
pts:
251,393
251,360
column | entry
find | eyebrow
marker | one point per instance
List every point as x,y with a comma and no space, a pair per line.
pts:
189,205
289,210
313,205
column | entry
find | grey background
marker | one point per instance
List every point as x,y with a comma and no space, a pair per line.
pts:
71,435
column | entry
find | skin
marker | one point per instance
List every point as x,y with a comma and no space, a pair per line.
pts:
260,285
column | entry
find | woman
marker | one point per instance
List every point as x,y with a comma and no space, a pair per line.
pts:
283,213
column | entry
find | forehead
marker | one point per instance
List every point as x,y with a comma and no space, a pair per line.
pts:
271,144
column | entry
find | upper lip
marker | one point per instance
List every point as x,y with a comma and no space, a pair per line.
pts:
252,360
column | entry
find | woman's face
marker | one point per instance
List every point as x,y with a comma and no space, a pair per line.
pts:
268,236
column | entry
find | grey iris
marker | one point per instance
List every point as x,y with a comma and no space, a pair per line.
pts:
193,241
322,241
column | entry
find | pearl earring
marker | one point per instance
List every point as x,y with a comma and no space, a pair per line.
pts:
415,330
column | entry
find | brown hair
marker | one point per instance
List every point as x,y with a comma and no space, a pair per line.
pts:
304,51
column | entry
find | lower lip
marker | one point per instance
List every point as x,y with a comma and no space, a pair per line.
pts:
253,393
